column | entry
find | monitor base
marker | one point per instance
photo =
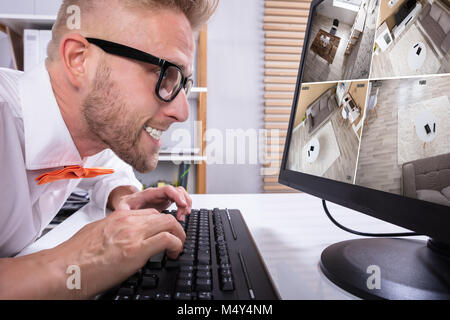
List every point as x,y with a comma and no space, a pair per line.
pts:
389,268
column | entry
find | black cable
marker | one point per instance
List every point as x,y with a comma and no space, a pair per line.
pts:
406,234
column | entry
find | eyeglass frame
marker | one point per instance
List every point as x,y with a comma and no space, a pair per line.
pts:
135,54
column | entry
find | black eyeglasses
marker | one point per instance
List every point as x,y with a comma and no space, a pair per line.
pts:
171,78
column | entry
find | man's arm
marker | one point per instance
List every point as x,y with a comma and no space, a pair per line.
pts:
37,276
105,252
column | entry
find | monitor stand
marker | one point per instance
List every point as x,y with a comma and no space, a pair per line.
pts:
389,268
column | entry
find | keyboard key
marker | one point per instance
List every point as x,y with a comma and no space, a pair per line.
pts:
156,261
225,266
203,268
185,275
132,281
204,259
204,296
173,264
204,274
224,260
186,257
189,245
203,284
142,297
126,291
184,285
163,296
227,284
225,273
186,268
183,296
203,243
149,281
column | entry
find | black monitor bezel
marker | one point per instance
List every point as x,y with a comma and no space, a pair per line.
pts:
423,217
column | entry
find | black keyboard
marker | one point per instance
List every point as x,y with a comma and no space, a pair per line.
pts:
219,261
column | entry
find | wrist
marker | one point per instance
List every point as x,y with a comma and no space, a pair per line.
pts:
62,278
117,195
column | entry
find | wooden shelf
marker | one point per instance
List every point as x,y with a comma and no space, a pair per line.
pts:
199,89
181,158
19,22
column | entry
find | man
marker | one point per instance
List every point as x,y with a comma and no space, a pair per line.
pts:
108,90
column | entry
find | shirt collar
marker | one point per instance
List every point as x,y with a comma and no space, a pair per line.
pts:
48,143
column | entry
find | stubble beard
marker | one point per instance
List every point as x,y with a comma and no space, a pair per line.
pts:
112,121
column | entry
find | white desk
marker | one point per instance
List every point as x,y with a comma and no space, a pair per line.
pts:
290,230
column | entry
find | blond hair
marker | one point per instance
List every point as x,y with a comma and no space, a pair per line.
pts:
197,12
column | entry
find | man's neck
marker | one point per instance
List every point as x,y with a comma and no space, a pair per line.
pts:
70,106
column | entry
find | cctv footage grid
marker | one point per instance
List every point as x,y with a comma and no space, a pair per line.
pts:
356,126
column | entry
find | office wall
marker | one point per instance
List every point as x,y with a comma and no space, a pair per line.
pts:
235,87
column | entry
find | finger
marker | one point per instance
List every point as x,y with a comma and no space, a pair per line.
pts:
187,197
164,241
137,213
182,212
123,206
154,224
169,193
176,195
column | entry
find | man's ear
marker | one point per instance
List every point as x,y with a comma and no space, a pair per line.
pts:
73,50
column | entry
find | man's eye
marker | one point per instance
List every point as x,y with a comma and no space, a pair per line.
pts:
158,72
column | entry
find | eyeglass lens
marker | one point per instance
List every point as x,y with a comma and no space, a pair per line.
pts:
171,83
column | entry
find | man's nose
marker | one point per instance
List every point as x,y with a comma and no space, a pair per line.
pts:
178,109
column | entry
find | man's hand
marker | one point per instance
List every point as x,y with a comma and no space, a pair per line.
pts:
120,244
107,252
156,198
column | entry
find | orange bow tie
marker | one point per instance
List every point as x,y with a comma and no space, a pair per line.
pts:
72,172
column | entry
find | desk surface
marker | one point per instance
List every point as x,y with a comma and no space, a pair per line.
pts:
290,230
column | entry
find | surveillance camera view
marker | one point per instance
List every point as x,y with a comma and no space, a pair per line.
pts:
391,135
412,38
341,40
405,144
328,128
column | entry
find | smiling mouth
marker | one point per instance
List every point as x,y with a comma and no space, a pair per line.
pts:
154,133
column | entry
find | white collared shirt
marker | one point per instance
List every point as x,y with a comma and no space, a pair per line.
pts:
33,140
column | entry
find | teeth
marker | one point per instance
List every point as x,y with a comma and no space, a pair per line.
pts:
154,133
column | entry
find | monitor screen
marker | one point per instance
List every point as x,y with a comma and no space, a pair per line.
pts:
372,104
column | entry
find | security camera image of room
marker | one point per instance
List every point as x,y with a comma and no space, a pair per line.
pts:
405,143
341,40
327,129
412,38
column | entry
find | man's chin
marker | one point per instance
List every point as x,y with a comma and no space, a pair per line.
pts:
147,165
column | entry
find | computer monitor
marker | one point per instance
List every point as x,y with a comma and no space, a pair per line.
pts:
370,130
